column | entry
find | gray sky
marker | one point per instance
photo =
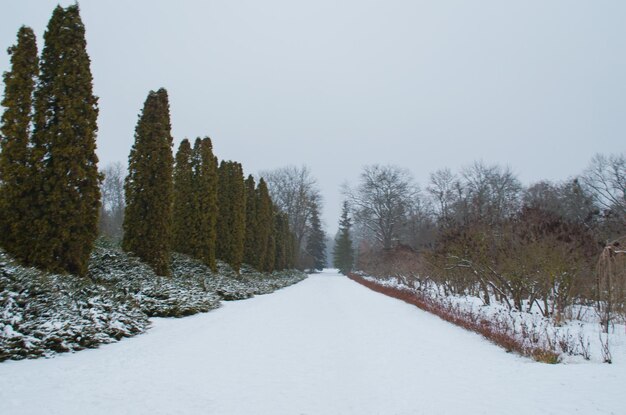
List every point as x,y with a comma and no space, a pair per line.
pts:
539,85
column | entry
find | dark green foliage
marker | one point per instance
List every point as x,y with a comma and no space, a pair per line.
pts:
231,224
250,250
184,209
64,213
15,173
205,185
149,186
343,254
316,241
265,226
282,240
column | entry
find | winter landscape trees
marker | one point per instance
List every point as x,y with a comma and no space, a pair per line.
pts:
51,164
294,191
174,217
535,245
343,254
15,158
113,202
149,186
51,187
481,233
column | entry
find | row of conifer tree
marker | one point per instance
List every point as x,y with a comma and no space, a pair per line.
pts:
49,179
194,206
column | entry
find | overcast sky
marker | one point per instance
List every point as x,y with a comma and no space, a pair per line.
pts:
537,85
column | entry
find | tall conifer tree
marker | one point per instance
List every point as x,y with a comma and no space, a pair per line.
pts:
343,254
184,209
281,237
316,241
232,214
149,186
15,134
224,222
250,249
65,171
205,187
265,225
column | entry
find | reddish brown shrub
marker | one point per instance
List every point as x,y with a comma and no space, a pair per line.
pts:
497,332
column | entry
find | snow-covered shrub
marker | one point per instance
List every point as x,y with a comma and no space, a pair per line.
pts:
43,313
527,333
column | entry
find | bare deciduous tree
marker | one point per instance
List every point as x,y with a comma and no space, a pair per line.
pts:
606,179
443,189
492,192
113,203
294,191
382,201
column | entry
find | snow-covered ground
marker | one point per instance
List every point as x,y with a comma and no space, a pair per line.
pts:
324,346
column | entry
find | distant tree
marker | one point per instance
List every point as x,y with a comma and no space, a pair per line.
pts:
605,181
149,186
293,190
205,186
250,249
316,241
606,178
444,189
490,194
265,224
231,224
65,212
113,202
382,201
343,254
281,240
16,187
184,213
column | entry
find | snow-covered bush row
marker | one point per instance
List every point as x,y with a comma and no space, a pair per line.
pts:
527,332
42,314
45,313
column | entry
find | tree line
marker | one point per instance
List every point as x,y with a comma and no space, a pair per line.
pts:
481,232
194,205
51,189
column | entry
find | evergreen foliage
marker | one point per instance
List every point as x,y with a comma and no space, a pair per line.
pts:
250,250
231,224
343,254
282,239
149,186
15,172
203,230
265,225
184,208
316,241
66,194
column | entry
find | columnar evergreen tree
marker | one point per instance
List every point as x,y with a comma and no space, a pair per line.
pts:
149,186
205,186
15,164
184,208
316,241
280,254
250,250
343,254
265,225
65,171
231,229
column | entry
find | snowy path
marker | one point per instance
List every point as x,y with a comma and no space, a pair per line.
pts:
324,346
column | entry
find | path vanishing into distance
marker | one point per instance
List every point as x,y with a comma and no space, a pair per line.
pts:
324,346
